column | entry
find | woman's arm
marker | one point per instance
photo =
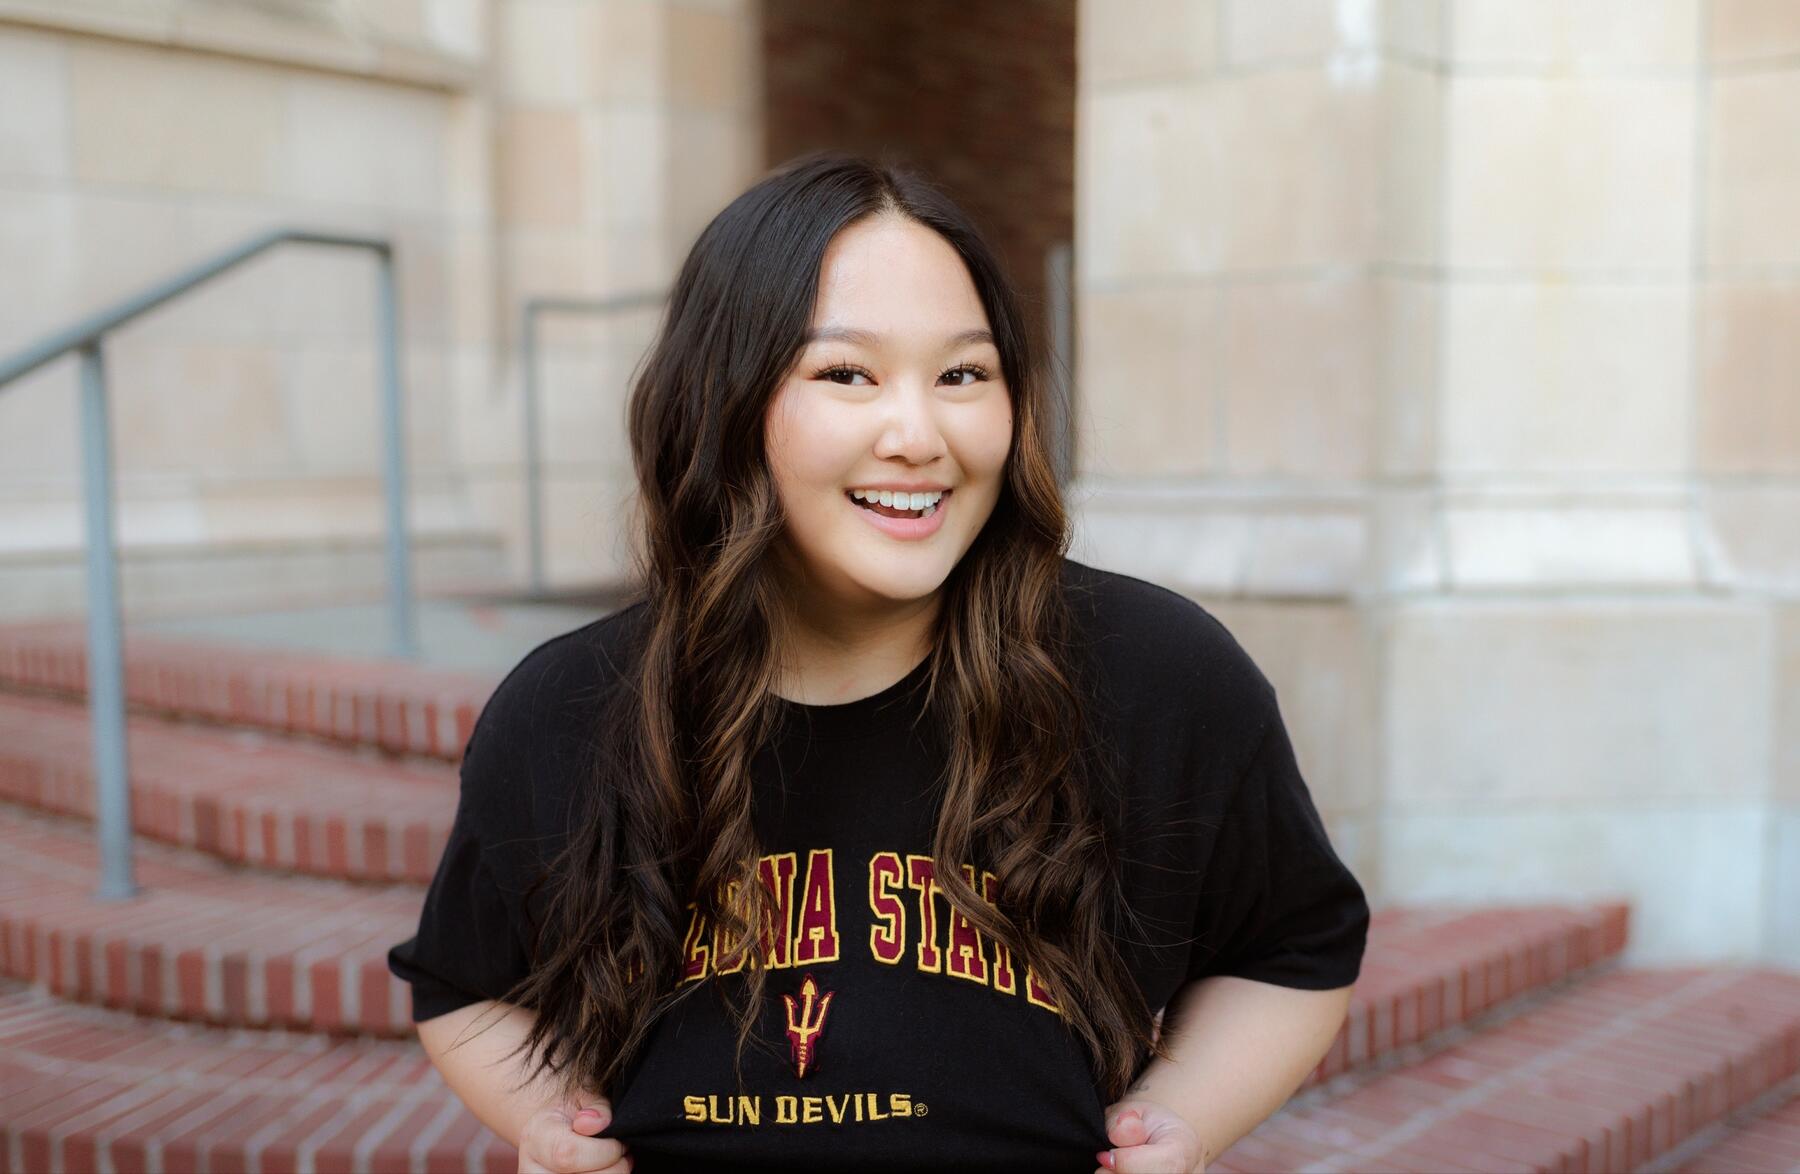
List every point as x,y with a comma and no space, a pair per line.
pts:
1240,1049
478,1071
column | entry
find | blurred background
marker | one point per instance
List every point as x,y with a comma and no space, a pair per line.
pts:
1447,350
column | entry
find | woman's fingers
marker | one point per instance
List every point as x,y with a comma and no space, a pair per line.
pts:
554,1142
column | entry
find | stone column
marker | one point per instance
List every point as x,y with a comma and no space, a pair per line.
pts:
1441,349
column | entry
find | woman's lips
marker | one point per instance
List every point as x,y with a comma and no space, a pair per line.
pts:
906,528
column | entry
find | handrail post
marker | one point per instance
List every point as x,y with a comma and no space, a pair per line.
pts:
405,631
105,657
534,511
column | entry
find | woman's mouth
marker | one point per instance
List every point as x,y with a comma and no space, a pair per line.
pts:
899,523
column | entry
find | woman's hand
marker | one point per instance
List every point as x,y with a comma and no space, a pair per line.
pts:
558,1139
1150,1138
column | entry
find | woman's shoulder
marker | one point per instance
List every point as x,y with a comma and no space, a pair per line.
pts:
1160,652
544,709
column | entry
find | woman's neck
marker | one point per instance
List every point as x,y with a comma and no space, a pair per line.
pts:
846,658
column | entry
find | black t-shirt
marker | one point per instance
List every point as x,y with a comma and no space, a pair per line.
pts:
897,1049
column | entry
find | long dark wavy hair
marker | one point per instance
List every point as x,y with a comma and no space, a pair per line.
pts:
668,814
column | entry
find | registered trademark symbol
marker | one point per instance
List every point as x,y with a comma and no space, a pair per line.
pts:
921,1109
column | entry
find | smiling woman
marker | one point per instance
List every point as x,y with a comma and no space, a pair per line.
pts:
871,739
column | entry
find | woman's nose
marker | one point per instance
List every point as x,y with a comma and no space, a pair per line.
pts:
911,428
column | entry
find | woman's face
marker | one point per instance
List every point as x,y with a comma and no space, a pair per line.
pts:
898,387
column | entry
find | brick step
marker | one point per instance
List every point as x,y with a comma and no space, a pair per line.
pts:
390,705
241,796
1429,969
1770,1141
84,1088
1607,1075
203,940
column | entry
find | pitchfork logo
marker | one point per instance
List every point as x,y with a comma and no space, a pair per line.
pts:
805,1021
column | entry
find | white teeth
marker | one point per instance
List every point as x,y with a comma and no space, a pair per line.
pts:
898,501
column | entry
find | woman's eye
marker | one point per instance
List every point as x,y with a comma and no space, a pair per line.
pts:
842,375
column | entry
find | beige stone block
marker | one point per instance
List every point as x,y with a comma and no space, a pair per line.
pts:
469,160
1749,386
712,158
1753,169
196,408
40,431
400,20
1257,32
1307,553
1150,190
1323,664
548,264
584,523
1588,378
541,180
1787,707
709,59
472,288
1695,872
1744,30
1148,404
629,153
1546,172
1411,187
334,408
1406,543
34,105
544,50
1299,377
125,241
1177,537
1127,41
1539,542
1781,931
629,56
1581,34
582,411
365,143
457,26
1749,531
1301,151
40,246
1538,703
1414,27
1407,343
167,119
1259,170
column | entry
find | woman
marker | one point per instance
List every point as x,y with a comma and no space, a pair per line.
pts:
871,835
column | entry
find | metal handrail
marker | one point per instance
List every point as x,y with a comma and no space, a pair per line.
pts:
528,348
106,675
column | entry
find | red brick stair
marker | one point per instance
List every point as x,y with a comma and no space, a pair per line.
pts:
203,940
1606,1076
398,707
244,796
1769,1142
84,1088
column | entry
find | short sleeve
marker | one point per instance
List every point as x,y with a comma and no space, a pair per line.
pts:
1277,904
471,944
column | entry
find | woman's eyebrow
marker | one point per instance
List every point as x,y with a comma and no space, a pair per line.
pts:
872,340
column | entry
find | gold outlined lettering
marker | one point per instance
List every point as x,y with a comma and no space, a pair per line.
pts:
887,937
816,939
921,875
